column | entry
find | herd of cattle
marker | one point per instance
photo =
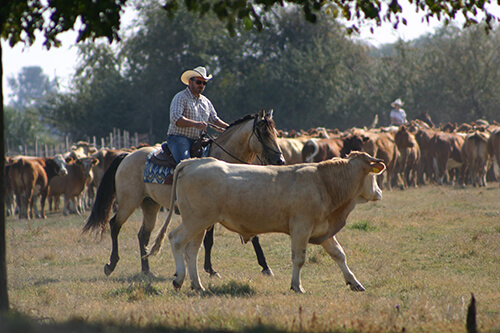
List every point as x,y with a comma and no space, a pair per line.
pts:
415,154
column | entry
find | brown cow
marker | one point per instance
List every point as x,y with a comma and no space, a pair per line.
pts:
308,201
475,158
447,154
409,159
29,177
72,185
424,139
378,144
494,148
317,150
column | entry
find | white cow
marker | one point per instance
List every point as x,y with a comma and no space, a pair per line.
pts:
310,202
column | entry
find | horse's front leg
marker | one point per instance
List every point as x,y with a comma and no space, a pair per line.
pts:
266,270
208,243
114,258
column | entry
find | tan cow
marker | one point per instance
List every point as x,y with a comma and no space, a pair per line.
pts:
309,201
409,156
292,149
72,185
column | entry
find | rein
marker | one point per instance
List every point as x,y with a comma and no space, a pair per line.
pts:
222,148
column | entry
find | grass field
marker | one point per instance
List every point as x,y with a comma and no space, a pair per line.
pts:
420,253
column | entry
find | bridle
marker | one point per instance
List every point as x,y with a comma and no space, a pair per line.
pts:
254,132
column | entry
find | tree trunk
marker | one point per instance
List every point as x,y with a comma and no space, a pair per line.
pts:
4,296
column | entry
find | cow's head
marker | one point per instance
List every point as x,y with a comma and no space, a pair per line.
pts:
403,138
352,143
60,165
371,167
86,164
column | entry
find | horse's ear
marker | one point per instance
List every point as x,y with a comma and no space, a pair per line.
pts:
270,113
262,113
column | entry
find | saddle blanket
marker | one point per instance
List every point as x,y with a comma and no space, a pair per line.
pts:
155,173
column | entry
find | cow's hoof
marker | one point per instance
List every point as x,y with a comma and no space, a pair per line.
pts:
267,272
357,287
107,270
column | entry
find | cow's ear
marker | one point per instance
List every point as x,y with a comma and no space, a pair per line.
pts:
377,167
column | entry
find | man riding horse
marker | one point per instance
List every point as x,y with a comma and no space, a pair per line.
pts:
190,113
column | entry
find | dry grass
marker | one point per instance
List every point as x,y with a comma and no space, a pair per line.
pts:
419,253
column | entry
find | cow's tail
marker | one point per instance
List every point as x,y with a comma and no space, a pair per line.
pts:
311,157
104,198
161,234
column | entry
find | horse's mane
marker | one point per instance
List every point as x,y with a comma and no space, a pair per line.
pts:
242,119
269,121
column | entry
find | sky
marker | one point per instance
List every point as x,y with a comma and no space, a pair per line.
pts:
61,62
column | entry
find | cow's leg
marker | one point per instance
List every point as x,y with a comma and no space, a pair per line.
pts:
179,238
43,199
300,237
208,242
191,256
178,245
150,212
66,205
266,270
333,248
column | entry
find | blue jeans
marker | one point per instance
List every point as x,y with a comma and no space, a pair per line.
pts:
179,146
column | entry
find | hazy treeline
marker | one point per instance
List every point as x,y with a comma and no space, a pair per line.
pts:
310,74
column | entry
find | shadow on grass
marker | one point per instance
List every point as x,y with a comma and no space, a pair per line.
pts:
232,288
13,322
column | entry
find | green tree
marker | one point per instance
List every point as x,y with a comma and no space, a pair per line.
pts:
30,86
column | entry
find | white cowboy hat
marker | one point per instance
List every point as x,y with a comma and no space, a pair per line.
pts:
397,102
197,72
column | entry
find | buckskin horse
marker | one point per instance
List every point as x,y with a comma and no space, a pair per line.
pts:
248,137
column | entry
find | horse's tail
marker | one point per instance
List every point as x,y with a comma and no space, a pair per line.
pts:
161,234
104,198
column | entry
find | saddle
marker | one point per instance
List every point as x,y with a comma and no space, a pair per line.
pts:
163,157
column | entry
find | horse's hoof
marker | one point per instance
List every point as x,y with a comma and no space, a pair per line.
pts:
215,274
298,289
177,285
150,274
107,270
267,272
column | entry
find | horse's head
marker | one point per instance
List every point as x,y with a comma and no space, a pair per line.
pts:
264,139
